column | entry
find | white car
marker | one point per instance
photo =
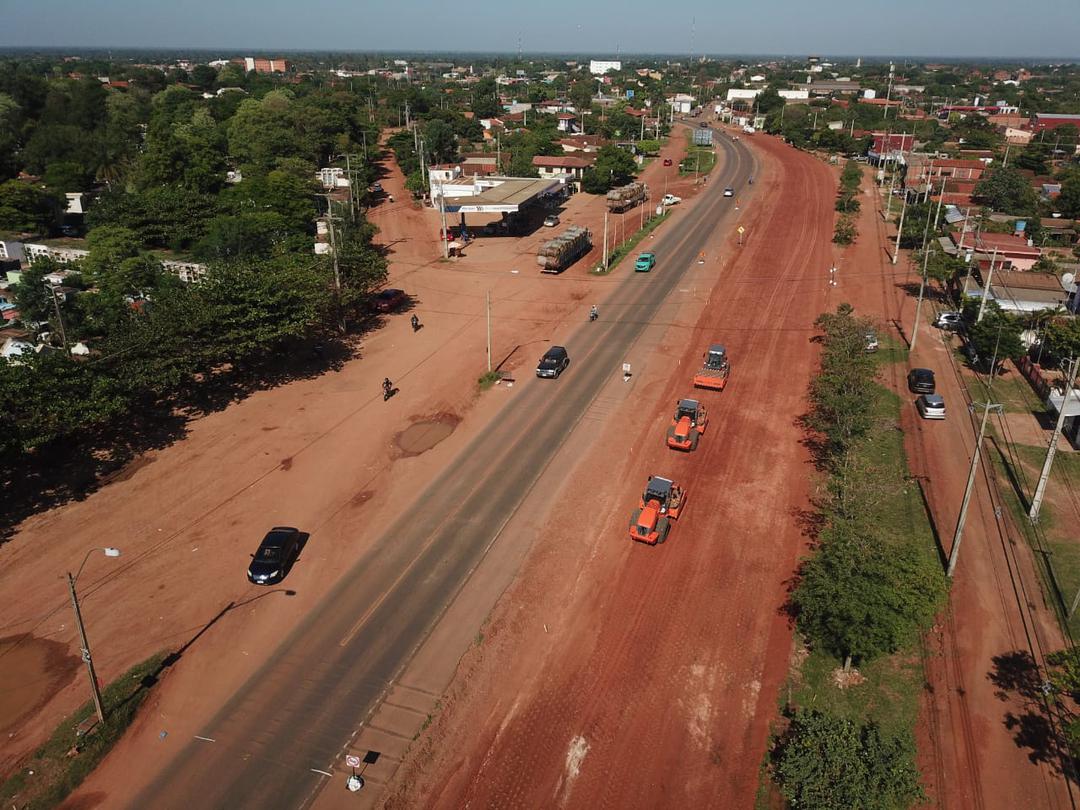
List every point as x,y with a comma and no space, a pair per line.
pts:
551,220
729,192
931,406
670,199
948,320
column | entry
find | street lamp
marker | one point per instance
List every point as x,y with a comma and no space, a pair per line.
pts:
95,689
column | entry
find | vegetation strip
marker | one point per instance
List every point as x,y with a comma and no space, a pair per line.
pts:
872,584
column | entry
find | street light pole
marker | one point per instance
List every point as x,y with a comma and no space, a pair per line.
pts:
958,535
85,644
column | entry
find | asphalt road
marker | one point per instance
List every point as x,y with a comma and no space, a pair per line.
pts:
297,712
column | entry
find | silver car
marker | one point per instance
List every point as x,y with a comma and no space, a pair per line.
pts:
931,406
948,320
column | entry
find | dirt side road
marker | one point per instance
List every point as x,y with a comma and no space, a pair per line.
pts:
985,739
618,675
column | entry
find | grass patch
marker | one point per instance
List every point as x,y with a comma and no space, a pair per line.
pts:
1017,468
488,379
888,697
628,246
57,773
699,160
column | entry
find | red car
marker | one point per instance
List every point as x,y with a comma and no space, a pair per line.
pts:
388,300
667,161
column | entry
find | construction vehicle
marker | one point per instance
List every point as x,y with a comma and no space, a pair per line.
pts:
557,254
626,197
662,502
687,425
714,371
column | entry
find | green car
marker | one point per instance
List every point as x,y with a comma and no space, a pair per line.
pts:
645,262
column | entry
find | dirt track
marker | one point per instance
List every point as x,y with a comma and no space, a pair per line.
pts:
985,739
620,675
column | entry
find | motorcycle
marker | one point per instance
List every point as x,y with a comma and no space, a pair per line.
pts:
594,313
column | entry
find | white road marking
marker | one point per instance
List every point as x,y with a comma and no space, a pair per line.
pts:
324,773
205,739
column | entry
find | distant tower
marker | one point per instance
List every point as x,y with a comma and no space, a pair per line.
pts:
858,62
519,46
693,26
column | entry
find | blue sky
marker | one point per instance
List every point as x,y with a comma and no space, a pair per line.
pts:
939,28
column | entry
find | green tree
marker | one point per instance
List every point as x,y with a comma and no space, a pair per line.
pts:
249,234
1061,340
1034,157
1006,189
26,208
1068,202
613,167
997,332
845,232
440,143
829,763
34,301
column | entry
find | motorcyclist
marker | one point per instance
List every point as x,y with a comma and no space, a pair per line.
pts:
594,312
751,179
415,323
387,389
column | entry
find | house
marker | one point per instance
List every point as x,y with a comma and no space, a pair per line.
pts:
566,122
1005,249
744,94
1042,121
826,88
1018,136
922,168
332,177
13,347
479,165
682,103
564,167
583,143
262,65
1018,292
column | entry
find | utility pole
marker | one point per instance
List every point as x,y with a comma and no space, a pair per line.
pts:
922,283
605,240
94,688
487,298
1040,489
442,213
986,288
334,257
954,554
900,229
59,317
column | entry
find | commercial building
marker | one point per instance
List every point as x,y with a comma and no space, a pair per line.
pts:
598,67
262,65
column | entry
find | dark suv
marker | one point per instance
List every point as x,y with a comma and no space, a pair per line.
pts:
553,363
277,552
921,381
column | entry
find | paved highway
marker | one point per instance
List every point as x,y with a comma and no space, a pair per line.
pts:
298,711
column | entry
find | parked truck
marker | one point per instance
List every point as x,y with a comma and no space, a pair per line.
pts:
557,254
626,197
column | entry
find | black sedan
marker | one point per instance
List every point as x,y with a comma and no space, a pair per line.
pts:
921,381
277,552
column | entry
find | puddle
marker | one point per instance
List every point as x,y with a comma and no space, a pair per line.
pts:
422,436
31,671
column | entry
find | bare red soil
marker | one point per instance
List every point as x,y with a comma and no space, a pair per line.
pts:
619,675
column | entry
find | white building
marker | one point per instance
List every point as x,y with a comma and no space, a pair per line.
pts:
598,67
682,103
332,177
743,94
794,95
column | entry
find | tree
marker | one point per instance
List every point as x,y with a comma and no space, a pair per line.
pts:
440,143
1068,202
26,208
1061,340
250,234
769,100
34,301
998,332
826,762
108,246
1006,189
613,167
1034,157
845,232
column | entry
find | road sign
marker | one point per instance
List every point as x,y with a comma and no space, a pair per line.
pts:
352,761
354,783
742,230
